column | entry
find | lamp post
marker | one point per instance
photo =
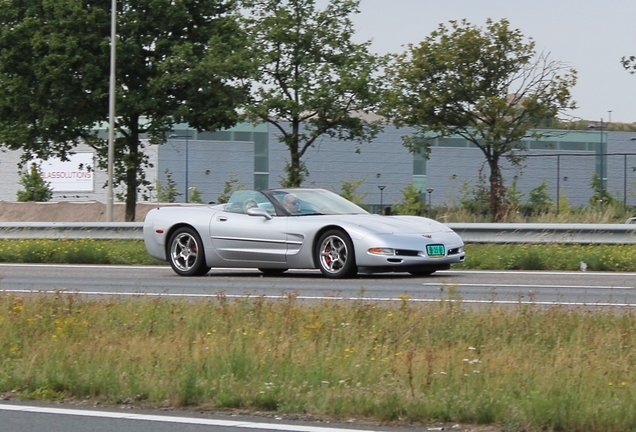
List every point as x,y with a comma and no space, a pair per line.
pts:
111,111
558,191
625,177
186,136
430,191
601,168
381,187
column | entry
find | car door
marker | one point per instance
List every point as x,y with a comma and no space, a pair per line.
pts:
240,238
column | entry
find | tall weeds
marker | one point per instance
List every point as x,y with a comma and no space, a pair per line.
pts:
543,369
611,214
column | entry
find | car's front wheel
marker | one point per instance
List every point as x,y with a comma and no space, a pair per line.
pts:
186,255
335,255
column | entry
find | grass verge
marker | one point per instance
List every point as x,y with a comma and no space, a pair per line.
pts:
520,367
571,257
75,251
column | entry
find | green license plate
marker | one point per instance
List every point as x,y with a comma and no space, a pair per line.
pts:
435,250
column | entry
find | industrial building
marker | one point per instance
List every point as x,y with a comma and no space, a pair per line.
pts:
254,157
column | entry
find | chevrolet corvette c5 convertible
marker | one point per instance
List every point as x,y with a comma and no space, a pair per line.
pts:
280,229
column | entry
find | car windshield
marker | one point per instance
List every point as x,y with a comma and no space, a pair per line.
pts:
307,202
243,200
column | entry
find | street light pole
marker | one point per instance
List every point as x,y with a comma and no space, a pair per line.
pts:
601,167
601,170
558,191
187,168
381,187
430,191
111,112
187,165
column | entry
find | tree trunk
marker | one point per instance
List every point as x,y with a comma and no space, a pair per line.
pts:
132,164
295,175
131,178
497,191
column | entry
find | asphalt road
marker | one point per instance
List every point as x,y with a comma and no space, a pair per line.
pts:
506,287
50,417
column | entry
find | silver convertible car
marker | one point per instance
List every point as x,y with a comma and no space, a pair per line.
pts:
280,229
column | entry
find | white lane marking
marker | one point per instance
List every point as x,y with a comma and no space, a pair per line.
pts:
170,419
102,266
536,272
497,285
145,267
405,297
224,269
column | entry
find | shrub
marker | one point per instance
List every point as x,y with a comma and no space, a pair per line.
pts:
411,203
349,191
35,188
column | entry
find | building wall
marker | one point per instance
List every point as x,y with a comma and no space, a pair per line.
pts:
329,162
11,171
566,162
621,169
9,177
255,157
210,163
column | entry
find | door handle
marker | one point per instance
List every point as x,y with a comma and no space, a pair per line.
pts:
222,218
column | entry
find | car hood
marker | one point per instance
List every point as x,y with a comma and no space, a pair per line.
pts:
400,224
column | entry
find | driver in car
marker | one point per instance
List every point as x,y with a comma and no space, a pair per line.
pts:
291,204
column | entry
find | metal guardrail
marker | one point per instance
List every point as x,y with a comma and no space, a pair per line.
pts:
469,232
545,233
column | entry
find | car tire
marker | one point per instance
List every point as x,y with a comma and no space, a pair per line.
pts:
335,256
186,254
272,271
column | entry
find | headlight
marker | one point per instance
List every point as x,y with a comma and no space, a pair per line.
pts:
382,251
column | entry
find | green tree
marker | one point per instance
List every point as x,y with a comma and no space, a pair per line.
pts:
349,190
35,188
486,85
595,199
411,203
231,185
54,66
167,193
195,195
539,200
309,78
474,199
515,195
51,53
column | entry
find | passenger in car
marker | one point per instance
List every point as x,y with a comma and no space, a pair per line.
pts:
250,203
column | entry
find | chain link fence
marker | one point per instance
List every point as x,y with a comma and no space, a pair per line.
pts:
575,178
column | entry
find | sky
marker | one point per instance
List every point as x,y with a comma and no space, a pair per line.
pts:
591,37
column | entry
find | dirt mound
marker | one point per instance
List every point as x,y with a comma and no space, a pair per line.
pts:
66,211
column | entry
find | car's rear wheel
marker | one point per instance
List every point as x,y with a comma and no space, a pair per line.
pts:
335,255
272,271
186,255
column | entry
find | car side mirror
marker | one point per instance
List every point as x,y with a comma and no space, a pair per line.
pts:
255,211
